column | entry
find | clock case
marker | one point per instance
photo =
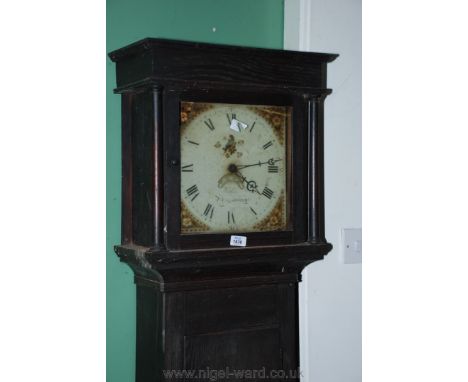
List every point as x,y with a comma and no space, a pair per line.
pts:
177,272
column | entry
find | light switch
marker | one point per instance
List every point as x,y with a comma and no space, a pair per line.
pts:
351,245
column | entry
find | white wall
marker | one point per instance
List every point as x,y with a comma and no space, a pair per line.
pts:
330,295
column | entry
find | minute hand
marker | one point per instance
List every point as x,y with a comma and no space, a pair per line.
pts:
269,161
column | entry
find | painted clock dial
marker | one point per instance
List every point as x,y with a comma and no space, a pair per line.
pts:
234,162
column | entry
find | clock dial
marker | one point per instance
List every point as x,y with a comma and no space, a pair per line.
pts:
233,167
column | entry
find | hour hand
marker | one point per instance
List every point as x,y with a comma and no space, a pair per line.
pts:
251,185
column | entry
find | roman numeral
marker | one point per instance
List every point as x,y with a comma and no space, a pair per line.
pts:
187,168
253,211
266,145
210,125
230,118
251,127
231,219
267,192
209,210
193,191
273,169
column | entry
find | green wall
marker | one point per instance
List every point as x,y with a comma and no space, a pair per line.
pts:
257,23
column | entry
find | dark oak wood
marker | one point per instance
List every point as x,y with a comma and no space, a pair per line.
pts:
158,168
169,61
231,309
149,334
127,196
200,302
241,328
143,212
316,201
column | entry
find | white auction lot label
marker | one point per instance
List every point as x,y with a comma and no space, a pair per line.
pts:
238,241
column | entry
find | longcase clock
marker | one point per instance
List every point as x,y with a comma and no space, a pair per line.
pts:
222,203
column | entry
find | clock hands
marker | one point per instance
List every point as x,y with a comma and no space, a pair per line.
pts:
252,187
251,184
236,177
270,162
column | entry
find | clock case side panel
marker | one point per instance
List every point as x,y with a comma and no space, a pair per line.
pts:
142,198
297,167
